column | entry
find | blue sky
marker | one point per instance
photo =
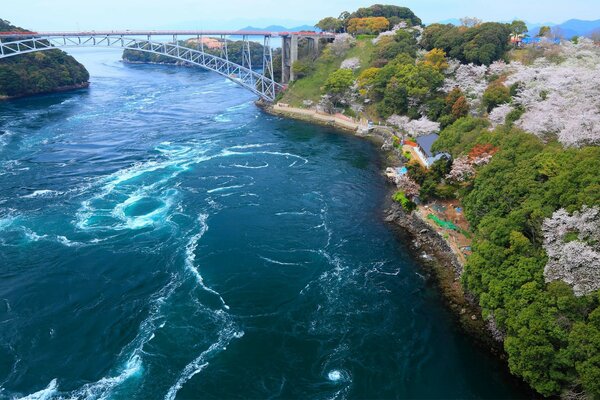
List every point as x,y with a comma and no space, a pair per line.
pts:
233,14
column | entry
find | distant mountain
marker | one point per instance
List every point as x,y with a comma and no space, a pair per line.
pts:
570,28
577,27
279,28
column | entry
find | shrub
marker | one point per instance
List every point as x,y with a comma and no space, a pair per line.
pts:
400,198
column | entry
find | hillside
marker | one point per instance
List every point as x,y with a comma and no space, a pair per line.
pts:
41,72
522,128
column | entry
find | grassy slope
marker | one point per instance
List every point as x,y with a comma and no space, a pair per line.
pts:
309,87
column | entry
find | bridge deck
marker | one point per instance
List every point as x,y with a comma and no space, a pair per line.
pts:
166,33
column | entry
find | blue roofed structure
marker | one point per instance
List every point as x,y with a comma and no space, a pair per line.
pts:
423,149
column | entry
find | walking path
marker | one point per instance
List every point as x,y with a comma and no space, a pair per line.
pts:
338,120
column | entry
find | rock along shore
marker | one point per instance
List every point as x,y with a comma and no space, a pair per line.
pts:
60,89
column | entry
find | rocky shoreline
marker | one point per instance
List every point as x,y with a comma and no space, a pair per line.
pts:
60,89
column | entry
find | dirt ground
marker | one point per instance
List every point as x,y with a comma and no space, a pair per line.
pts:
448,210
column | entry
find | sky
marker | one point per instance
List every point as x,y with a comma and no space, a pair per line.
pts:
41,15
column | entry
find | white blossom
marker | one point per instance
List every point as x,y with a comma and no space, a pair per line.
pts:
574,259
407,185
498,115
562,100
470,78
342,43
462,169
350,63
417,127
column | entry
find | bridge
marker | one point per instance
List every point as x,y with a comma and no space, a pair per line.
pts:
259,81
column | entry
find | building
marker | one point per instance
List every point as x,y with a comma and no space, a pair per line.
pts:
424,152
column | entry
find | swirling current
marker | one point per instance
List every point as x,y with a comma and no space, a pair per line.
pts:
162,238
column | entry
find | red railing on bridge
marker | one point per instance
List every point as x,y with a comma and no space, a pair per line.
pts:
167,33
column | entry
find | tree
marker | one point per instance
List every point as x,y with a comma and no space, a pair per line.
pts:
470,22
302,68
409,87
402,42
518,27
480,44
544,31
496,93
437,59
339,81
330,24
392,13
370,25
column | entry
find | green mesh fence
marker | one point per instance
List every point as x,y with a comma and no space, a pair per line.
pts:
442,223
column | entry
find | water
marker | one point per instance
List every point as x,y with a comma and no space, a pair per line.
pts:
162,238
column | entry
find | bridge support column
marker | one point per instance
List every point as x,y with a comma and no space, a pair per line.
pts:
313,46
289,55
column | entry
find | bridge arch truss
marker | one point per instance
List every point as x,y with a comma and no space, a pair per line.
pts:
262,84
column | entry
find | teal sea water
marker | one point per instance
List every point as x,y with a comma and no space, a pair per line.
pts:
161,238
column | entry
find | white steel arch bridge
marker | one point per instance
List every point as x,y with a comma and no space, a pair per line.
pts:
261,82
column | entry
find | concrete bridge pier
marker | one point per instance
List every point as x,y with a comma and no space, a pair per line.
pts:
289,47
289,53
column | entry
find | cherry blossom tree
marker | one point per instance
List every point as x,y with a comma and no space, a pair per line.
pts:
350,63
417,127
462,169
572,243
498,115
561,100
410,188
342,43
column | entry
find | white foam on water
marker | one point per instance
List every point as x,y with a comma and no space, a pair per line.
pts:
251,146
6,222
334,375
222,118
246,166
221,189
102,388
305,212
44,394
41,193
339,376
179,159
157,215
132,353
190,257
199,363
279,262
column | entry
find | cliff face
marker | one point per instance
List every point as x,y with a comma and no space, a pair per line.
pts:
41,72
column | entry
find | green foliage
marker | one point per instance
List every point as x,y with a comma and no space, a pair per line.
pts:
480,44
302,67
400,198
458,138
339,81
369,25
551,339
330,24
419,83
514,115
389,47
518,27
495,94
394,14
544,31
40,72
310,86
